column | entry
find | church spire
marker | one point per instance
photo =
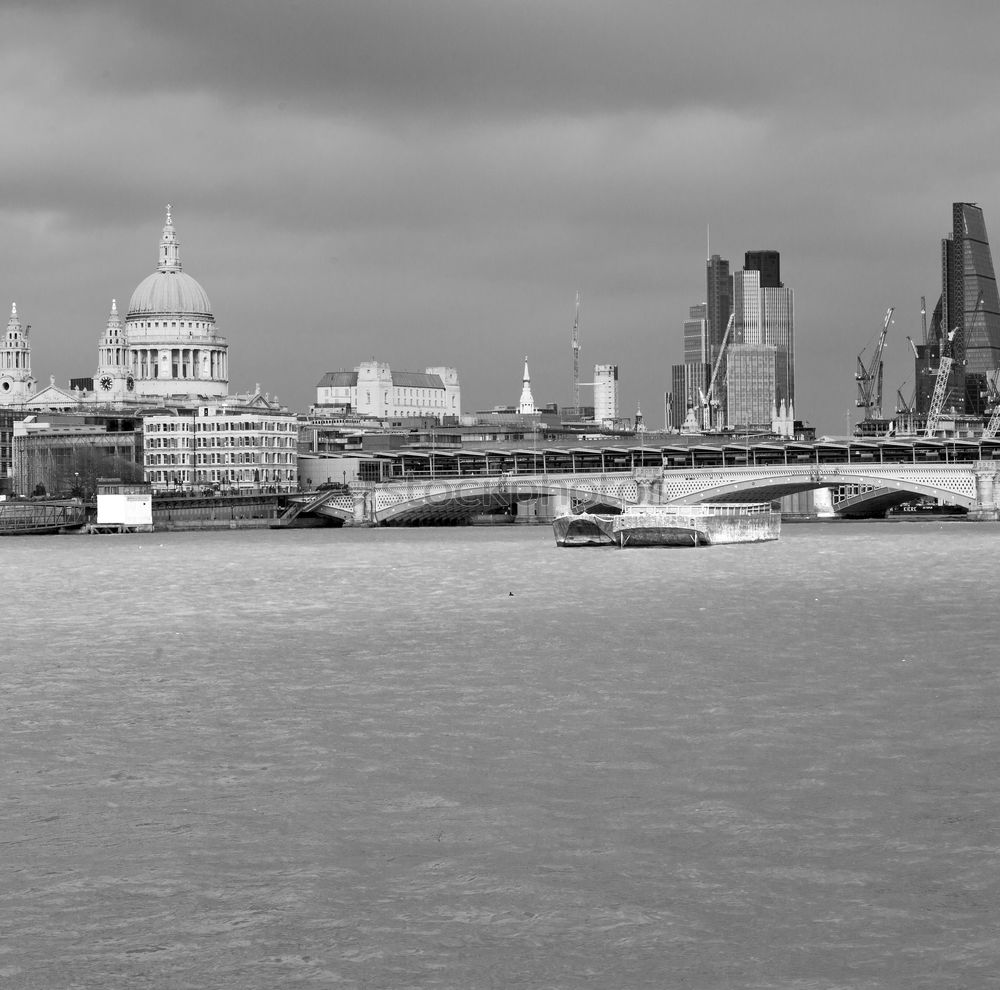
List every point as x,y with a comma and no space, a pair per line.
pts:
170,249
526,407
13,324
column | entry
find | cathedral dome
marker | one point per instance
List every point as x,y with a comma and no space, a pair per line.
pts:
169,291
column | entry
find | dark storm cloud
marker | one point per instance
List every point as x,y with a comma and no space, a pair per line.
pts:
473,59
433,181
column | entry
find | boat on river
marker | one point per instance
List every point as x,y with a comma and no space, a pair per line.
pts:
708,524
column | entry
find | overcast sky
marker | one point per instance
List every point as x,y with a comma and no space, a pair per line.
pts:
431,182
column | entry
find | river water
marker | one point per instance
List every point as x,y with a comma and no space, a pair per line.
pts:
464,758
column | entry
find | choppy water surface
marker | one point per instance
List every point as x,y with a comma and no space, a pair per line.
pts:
353,758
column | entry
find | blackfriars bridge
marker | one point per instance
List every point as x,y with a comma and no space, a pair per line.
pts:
862,482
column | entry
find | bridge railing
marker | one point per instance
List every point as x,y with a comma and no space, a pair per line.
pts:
27,517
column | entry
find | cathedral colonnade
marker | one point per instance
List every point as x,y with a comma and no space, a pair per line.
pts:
185,363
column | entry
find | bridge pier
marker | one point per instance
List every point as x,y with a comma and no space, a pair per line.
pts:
363,514
985,509
560,503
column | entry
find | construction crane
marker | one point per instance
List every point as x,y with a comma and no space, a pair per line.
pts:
708,398
993,426
576,356
869,378
993,407
940,385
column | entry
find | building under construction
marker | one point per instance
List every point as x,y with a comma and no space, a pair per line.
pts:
957,358
64,454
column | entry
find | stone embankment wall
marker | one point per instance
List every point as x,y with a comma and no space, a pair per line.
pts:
222,512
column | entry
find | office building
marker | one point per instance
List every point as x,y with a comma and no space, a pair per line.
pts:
760,364
969,306
689,381
605,393
751,390
238,444
768,263
719,303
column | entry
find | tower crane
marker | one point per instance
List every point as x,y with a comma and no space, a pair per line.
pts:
869,378
993,426
993,405
945,363
940,385
708,398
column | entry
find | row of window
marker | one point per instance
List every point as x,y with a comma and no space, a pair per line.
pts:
223,426
205,477
173,323
175,443
244,458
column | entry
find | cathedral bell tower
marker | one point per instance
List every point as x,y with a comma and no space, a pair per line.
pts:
113,378
16,383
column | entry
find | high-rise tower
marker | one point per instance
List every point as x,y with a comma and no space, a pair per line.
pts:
605,393
760,365
768,263
690,379
719,301
969,305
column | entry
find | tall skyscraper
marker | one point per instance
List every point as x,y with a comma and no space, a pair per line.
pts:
719,302
605,392
690,379
969,305
768,263
760,365
696,344
751,386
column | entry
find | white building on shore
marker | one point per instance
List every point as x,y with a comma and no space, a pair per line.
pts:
238,444
374,389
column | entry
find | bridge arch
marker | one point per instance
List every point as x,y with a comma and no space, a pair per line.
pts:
894,486
459,501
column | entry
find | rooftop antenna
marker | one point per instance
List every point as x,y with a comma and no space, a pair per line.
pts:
576,355
923,316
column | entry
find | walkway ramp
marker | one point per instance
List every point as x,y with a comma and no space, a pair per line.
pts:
19,518
309,504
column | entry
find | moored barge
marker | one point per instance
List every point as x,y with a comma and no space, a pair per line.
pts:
707,524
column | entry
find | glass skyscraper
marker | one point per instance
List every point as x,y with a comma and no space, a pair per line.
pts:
690,379
967,276
760,365
719,302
